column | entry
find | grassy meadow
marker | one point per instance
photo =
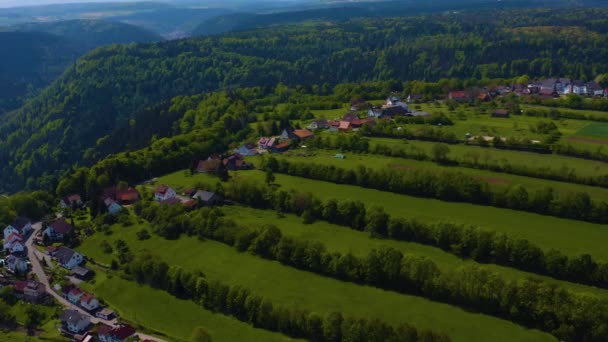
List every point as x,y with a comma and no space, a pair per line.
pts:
285,286
569,236
486,155
496,181
175,318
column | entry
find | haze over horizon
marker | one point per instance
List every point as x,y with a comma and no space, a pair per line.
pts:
25,3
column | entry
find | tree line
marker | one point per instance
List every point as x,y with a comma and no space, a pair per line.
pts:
450,186
246,306
533,303
465,241
358,144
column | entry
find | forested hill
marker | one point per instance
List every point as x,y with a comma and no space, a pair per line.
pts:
90,34
106,89
34,55
31,60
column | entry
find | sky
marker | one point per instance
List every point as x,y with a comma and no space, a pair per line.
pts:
15,3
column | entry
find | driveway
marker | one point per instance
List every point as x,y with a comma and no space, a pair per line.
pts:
33,254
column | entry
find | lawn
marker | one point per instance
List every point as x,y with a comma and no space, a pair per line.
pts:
176,318
582,167
569,236
594,130
497,181
286,286
342,239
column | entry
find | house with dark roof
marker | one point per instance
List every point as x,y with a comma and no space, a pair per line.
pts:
391,112
120,333
73,201
75,322
350,117
15,264
58,229
236,162
81,273
22,226
164,192
34,292
207,198
68,258
208,166
500,113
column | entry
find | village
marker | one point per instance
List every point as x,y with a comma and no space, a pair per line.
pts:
43,270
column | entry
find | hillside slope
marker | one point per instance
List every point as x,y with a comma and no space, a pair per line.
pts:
106,89
33,55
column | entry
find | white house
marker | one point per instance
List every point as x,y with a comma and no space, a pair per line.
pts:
75,295
68,258
21,225
89,302
394,101
75,322
113,207
13,243
164,192
57,230
15,264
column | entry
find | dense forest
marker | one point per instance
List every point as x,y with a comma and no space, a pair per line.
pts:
106,90
34,55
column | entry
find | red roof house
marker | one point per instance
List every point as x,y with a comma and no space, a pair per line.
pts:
303,134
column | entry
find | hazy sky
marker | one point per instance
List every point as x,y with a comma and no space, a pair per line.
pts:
15,3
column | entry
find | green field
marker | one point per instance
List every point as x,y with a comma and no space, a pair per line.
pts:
594,130
569,236
582,167
174,317
497,181
343,240
291,287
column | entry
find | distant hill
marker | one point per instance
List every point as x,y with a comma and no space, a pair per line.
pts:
92,33
31,60
34,55
243,21
337,10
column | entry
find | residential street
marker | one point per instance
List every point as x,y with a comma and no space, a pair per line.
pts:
35,256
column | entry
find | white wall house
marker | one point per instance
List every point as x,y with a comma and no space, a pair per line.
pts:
68,258
163,193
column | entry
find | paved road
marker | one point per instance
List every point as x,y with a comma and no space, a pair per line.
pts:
35,256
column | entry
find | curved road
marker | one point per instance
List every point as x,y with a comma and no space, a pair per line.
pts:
35,256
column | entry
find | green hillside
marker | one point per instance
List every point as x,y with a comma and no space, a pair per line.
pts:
109,87
36,54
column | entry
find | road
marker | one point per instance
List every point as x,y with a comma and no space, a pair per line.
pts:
35,256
